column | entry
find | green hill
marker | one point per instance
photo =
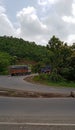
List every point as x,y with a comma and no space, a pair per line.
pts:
22,49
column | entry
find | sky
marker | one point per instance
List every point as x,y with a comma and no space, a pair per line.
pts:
38,20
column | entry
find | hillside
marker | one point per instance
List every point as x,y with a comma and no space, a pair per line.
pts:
57,54
22,49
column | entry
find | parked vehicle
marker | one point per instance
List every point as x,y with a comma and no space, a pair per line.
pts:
19,70
46,69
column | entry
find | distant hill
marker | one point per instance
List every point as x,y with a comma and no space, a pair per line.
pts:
57,54
23,49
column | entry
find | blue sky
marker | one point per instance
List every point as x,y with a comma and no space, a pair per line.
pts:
38,20
13,6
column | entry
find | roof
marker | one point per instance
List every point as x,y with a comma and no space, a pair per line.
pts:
18,67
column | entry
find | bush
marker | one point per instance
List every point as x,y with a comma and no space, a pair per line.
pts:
51,77
43,76
55,77
68,73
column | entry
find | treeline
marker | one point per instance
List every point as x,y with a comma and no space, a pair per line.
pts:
62,60
13,50
57,54
22,49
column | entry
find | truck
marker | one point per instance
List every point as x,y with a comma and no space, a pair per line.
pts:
19,70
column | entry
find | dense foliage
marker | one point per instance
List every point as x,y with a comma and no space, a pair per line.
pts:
57,54
5,61
22,49
63,59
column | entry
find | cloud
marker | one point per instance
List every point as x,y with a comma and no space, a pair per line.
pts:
6,27
42,2
41,21
46,2
71,38
69,23
69,19
2,10
60,20
73,8
31,28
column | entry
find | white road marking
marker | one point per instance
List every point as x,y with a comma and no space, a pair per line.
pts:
38,124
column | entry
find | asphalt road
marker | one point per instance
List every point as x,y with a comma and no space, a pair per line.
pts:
36,127
35,114
17,82
37,110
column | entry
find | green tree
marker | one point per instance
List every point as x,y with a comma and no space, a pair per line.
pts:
54,46
54,43
5,61
62,58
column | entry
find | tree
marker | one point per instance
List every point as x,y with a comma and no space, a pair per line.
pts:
54,43
72,66
54,46
5,61
62,58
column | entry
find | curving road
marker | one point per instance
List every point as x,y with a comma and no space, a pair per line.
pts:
35,113
17,82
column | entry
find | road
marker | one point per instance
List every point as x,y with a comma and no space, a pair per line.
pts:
37,127
17,82
31,114
35,113
37,110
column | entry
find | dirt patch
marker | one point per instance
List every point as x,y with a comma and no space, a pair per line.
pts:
30,94
31,79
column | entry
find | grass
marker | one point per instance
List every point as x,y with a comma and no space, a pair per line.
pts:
57,84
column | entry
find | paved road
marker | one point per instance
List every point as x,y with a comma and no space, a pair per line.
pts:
36,127
28,110
37,114
18,83
37,110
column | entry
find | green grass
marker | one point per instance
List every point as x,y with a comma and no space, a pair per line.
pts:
57,84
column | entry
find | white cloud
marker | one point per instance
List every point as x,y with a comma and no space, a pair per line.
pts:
69,19
42,2
71,38
60,20
73,9
46,2
2,10
39,23
52,1
31,28
6,27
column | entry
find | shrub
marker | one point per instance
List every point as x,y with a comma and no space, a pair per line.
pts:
43,76
55,77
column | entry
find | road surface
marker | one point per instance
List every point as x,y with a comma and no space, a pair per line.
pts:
17,82
37,114
37,110
24,126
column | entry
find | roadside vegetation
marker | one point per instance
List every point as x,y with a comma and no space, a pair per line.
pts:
62,83
56,54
